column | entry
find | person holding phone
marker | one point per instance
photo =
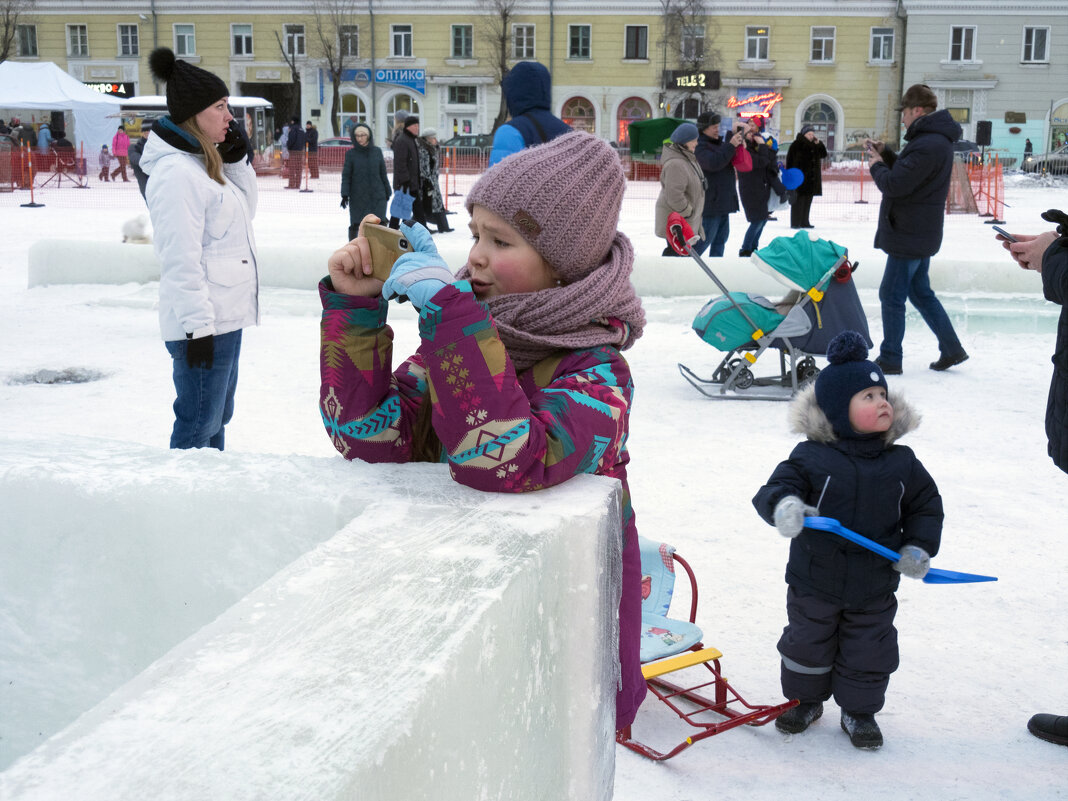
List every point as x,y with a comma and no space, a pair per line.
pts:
716,157
1047,254
201,194
914,184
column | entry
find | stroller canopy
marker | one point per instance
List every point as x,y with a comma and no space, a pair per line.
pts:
800,262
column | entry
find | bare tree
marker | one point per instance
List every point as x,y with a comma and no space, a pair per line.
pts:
12,14
335,45
290,56
688,44
495,24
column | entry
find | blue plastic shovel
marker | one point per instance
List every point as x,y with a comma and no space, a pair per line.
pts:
934,575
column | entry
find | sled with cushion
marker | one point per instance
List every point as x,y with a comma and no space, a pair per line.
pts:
670,647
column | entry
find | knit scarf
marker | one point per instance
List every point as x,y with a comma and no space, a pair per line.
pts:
600,308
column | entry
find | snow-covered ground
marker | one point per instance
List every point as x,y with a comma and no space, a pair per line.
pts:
977,660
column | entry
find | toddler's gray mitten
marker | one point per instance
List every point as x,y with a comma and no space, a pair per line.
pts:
790,514
914,562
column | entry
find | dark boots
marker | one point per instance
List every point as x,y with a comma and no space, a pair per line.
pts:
862,729
796,719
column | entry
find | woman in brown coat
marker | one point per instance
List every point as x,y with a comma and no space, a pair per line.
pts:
682,184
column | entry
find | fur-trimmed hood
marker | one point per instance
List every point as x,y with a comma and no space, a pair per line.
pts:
807,418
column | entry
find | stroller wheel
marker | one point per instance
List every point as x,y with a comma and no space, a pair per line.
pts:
744,379
807,371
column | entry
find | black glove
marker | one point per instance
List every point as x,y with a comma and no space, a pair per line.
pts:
344,201
200,352
791,195
236,145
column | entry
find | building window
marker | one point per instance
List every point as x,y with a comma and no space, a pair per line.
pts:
756,43
400,41
630,110
578,41
128,41
882,44
77,40
522,41
241,36
578,113
462,39
823,45
349,40
962,115
26,40
294,36
1036,45
185,40
962,43
463,95
636,42
693,42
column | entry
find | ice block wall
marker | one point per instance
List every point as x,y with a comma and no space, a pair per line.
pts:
205,625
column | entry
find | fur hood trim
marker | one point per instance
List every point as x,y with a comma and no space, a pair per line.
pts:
807,418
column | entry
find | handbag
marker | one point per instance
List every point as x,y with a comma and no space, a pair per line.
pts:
742,161
402,204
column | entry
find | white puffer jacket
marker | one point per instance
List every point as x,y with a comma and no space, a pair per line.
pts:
203,239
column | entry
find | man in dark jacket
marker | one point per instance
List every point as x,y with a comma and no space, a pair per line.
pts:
295,147
914,184
806,153
715,155
528,92
406,168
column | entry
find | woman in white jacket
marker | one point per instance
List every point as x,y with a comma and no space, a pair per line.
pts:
201,194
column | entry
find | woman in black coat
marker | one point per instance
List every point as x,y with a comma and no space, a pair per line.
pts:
807,154
755,188
364,173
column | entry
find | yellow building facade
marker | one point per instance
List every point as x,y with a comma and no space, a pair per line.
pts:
837,67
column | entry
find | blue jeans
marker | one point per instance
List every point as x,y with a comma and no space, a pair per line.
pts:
205,401
908,278
751,241
716,230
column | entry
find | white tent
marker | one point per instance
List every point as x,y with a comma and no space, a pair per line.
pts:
43,86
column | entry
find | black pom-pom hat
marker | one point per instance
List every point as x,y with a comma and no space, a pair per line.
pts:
190,89
847,374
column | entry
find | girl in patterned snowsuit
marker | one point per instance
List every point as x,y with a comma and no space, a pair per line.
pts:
519,382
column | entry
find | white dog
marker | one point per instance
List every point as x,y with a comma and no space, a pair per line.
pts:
135,231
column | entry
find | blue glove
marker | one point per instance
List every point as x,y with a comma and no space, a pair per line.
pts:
914,562
420,275
419,237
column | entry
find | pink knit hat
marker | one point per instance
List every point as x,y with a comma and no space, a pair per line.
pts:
563,197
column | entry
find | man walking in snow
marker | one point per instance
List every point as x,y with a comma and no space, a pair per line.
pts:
914,184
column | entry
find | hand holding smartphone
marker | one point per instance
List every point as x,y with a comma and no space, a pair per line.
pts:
387,245
1004,234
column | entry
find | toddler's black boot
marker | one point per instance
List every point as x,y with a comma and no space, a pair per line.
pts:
798,718
862,729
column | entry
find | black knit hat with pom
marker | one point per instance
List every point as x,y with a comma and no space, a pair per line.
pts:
847,374
190,89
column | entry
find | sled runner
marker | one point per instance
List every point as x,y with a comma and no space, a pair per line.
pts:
669,646
821,302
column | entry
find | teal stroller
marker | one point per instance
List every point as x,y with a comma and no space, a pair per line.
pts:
821,302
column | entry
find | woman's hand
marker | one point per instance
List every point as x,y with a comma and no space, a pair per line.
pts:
1028,249
350,267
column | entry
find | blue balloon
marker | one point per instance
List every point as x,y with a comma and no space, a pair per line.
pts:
792,178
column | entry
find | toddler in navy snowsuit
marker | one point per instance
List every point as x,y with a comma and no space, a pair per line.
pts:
840,639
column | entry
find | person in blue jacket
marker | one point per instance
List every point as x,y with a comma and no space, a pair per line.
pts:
914,184
528,92
840,639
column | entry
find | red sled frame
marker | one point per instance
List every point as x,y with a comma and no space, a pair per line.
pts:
723,700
